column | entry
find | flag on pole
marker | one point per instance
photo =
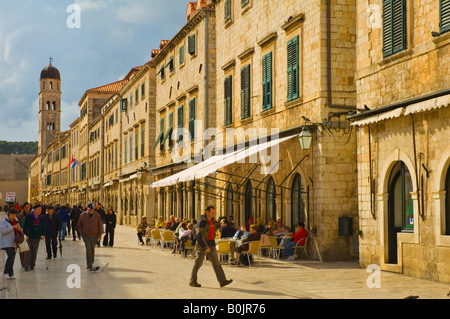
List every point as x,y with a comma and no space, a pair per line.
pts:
73,162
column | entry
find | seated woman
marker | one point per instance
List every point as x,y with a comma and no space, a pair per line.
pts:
160,223
253,236
178,234
299,238
242,233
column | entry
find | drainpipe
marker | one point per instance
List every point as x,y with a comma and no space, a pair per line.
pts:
329,93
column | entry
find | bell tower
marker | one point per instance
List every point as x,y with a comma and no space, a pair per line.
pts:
49,106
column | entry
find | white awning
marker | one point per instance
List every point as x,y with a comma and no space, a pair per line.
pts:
380,117
428,105
211,165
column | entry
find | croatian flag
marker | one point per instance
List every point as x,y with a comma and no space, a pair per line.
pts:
73,162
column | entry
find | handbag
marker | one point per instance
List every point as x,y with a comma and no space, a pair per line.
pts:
19,237
23,247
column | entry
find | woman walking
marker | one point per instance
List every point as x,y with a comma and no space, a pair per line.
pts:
110,226
9,226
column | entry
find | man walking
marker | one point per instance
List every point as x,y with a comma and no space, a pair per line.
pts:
52,228
90,227
34,229
206,246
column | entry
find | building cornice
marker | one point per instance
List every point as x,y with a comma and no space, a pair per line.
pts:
188,27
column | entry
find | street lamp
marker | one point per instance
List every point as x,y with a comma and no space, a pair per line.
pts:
305,138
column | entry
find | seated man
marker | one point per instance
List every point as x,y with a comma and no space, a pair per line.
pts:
299,238
226,231
142,230
253,236
279,229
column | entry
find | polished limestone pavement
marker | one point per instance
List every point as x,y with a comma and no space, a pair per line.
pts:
137,272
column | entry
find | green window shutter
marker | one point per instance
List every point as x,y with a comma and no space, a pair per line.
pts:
227,7
267,81
394,26
228,88
244,2
444,15
142,142
136,96
293,69
123,105
192,118
161,133
245,92
126,151
191,44
143,90
182,54
136,145
180,123
131,147
170,64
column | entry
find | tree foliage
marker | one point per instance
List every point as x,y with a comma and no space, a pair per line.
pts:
18,147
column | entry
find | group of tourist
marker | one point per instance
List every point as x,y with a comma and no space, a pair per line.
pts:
24,226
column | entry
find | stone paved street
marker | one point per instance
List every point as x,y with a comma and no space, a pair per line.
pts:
136,272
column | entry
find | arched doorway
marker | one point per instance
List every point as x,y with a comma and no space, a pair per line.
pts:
271,203
447,202
400,211
230,201
297,202
248,201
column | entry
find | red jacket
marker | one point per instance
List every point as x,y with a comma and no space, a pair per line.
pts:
300,237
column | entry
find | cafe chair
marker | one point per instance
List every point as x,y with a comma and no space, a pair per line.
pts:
253,249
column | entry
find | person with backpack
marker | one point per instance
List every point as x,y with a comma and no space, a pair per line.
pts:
206,247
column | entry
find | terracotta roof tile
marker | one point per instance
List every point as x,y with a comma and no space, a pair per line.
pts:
111,87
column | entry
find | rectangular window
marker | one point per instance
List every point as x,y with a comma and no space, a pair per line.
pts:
131,147
126,151
227,9
143,90
444,15
161,135
180,123
267,81
170,64
123,105
245,92
181,54
293,69
228,89
142,142
192,118
244,3
136,146
394,26
136,96
191,44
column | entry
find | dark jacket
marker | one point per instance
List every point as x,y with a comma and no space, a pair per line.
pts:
201,232
110,221
32,227
75,215
52,225
227,231
64,215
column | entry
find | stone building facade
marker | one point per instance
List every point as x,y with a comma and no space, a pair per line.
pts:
403,79
186,108
14,171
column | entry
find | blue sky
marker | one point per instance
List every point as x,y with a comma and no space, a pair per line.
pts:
114,36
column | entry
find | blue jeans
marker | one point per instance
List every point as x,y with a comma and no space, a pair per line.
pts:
63,230
11,255
289,248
